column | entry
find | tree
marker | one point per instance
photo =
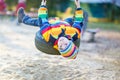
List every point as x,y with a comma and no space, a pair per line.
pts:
53,5
11,3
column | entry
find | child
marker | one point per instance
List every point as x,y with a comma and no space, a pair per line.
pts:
56,36
2,6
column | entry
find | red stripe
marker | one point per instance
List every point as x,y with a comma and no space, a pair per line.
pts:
71,52
46,29
55,43
78,30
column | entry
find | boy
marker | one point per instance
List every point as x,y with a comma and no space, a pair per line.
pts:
61,37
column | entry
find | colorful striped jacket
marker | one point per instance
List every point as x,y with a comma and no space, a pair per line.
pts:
53,29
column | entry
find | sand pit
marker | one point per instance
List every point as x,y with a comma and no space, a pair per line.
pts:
20,60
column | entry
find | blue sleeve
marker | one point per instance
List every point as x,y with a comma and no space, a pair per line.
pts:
78,19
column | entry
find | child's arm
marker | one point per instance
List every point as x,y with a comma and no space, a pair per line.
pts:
78,18
42,16
78,12
43,13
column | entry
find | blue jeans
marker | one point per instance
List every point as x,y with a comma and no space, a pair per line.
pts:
31,21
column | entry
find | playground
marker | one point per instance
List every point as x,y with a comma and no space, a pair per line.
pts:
99,52
20,60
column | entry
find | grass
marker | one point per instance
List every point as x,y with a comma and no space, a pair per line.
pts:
105,26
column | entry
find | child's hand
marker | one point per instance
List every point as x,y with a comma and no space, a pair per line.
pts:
43,2
77,3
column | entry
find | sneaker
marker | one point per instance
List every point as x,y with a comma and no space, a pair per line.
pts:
20,14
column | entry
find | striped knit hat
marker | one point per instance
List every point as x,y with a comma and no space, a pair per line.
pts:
70,51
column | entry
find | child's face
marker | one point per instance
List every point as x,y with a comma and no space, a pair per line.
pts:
63,42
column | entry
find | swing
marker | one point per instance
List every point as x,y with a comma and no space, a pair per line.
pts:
43,46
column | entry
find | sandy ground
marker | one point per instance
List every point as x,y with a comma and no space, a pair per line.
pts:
20,60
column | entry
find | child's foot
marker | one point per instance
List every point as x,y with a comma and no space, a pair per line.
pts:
21,14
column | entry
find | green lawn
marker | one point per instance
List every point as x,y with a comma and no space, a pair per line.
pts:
105,26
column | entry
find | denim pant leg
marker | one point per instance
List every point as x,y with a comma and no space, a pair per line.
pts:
31,21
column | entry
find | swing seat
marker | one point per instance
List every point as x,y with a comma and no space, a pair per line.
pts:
47,48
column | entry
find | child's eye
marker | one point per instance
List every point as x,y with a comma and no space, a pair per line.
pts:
60,46
66,44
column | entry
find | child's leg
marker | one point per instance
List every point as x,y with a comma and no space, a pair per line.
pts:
30,21
23,18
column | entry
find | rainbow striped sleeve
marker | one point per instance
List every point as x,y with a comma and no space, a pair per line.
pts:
42,12
78,15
